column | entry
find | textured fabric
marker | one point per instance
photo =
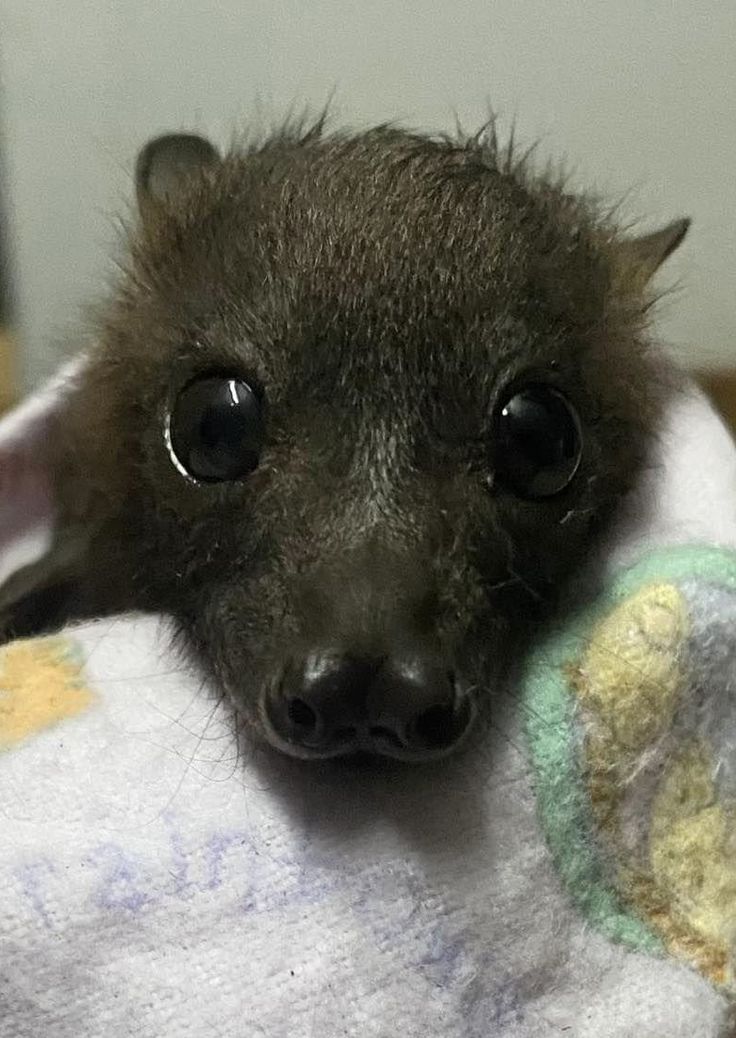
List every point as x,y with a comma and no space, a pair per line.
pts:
153,883
631,718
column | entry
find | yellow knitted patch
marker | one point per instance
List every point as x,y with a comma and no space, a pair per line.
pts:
693,848
627,682
40,685
630,673
653,903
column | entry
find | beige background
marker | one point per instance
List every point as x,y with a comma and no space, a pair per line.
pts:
638,95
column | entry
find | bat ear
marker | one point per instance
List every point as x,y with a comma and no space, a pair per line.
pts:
32,552
647,253
166,164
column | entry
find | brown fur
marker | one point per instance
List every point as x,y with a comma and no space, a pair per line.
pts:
384,289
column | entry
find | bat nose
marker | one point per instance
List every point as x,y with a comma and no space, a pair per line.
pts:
335,703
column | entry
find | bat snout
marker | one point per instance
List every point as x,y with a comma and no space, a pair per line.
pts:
331,703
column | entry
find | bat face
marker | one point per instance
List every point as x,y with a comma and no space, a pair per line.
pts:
361,405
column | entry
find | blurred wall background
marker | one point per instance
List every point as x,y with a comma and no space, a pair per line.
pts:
640,97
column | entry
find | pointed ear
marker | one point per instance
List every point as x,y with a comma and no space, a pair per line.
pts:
647,253
33,552
166,164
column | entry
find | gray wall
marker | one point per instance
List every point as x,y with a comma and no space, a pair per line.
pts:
638,95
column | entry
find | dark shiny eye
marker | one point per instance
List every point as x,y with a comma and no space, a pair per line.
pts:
537,442
216,429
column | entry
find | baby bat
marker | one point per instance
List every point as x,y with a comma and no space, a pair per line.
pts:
358,408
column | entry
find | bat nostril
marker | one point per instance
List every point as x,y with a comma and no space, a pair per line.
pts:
435,728
415,703
302,715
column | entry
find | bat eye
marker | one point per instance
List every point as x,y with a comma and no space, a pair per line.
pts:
215,430
537,443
